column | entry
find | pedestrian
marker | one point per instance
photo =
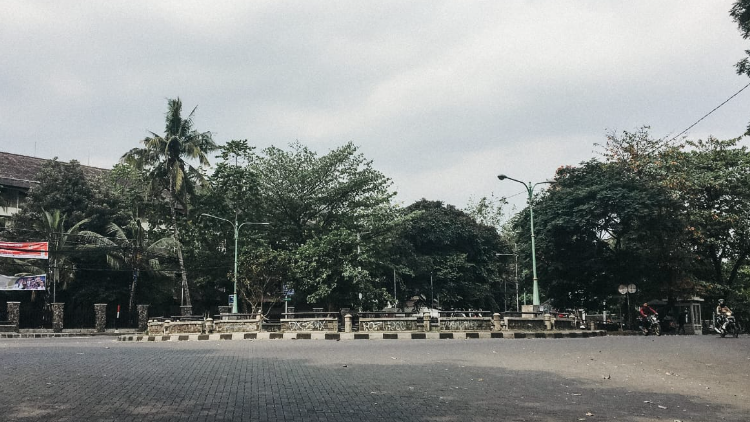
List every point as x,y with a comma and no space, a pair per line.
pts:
681,321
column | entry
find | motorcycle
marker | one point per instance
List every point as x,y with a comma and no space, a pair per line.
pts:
652,325
729,326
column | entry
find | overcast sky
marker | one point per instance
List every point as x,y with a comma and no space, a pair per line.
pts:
442,96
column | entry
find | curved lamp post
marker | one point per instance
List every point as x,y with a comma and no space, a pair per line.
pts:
236,235
530,189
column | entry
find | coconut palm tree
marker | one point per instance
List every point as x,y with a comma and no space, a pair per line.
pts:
53,227
129,247
168,161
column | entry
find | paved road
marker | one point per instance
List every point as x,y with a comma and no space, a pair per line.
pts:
685,378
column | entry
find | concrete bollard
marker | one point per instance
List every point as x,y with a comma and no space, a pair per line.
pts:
348,323
426,322
209,325
259,318
496,326
548,321
165,327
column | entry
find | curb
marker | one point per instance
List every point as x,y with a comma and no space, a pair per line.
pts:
322,335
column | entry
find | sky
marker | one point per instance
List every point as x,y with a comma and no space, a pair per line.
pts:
442,96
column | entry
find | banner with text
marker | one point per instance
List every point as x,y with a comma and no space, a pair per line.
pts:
36,250
28,282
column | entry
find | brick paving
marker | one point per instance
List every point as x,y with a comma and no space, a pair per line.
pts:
605,378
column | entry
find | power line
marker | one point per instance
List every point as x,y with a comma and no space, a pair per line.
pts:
709,113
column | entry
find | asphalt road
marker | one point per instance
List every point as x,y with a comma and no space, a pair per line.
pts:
669,378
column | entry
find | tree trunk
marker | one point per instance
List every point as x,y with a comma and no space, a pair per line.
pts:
183,273
131,303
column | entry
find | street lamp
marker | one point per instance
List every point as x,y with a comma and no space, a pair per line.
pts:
236,236
530,189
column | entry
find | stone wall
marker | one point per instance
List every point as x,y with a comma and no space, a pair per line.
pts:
155,328
524,324
235,326
310,324
465,324
183,327
389,324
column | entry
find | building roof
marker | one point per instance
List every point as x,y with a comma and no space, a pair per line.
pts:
21,171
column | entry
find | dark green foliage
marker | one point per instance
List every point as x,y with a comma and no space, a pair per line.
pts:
459,253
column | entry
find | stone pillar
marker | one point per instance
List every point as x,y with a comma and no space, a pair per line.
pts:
348,323
209,324
58,310
426,322
186,310
14,314
142,317
259,318
100,310
496,326
548,321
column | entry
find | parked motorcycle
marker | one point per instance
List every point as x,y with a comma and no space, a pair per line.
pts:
729,326
652,325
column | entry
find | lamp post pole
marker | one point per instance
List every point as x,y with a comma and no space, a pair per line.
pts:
515,256
530,189
236,228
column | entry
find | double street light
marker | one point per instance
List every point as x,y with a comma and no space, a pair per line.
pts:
530,189
237,228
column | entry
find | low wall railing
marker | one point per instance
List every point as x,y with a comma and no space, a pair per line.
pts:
324,321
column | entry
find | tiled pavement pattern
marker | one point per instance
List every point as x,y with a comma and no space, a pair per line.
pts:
99,379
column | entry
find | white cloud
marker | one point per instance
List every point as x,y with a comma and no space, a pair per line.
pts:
441,95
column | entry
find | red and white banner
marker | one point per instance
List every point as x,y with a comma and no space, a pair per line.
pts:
36,250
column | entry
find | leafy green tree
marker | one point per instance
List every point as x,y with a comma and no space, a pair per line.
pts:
263,272
129,247
600,226
61,243
231,193
331,212
451,256
63,187
306,195
168,160
740,13
713,181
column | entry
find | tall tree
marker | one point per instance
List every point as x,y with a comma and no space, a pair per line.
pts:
740,13
168,160
451,257
61,243
130,247
330,211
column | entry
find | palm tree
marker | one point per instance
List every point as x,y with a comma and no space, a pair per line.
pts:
53,227
129,247
167,160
